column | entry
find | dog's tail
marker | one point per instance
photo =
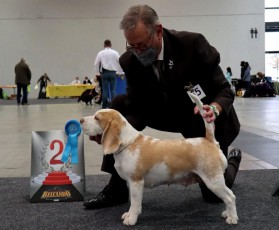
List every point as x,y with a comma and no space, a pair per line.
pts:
209,127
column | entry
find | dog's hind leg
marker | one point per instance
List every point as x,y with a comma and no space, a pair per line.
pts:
136,192
218,186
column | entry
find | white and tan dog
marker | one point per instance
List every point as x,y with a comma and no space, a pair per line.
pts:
145,161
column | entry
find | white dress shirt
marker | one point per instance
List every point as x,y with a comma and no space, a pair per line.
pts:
107,59
75,82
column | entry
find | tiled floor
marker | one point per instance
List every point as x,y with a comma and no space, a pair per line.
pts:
257,115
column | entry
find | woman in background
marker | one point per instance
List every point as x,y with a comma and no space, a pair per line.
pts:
261,87
43,81
246,76
228,75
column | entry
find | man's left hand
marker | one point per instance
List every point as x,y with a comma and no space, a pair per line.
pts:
208,113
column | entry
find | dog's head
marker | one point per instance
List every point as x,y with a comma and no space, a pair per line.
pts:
105,128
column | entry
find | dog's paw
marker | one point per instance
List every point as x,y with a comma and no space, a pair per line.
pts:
232,220
129,219
225,214
229,219
126,214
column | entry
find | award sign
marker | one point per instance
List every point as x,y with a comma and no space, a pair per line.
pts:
54,178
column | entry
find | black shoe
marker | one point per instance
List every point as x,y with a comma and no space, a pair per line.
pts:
24,103
235,154
110,196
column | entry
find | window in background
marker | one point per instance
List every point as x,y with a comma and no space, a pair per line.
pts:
271,39
271,3
272,65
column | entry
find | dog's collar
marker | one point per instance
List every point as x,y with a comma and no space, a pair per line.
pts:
121,149
125,146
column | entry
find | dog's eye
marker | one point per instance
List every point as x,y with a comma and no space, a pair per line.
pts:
96,118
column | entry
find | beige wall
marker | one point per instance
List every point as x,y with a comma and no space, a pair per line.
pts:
62,37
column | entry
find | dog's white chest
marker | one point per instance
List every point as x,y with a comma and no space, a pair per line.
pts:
126,163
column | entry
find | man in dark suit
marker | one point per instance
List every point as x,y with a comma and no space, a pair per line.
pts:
22,80
156,96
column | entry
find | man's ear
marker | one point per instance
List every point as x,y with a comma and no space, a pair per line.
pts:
159,31
111,137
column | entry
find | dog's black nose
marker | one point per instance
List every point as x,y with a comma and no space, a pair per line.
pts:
81,120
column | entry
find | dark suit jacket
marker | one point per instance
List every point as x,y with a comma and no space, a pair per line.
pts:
23,74
188,58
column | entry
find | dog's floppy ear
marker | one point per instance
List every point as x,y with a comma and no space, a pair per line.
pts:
111,140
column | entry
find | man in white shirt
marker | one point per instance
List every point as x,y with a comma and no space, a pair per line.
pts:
76,81
106,65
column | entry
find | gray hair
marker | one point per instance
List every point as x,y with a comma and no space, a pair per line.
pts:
140,13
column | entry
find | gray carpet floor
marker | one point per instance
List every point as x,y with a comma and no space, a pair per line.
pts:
263,148
164,207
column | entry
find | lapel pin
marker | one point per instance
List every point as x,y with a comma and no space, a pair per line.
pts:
170,64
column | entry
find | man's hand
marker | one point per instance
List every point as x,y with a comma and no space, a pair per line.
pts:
208,113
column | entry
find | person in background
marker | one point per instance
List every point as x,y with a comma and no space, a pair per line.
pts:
76,81
107,62
43,81
156,96
261,87
247,76
97,83
22,80
242,69
87,81
229,74
1,93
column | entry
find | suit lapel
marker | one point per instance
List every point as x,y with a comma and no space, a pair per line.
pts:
169,62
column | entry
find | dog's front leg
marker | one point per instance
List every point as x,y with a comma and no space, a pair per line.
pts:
136,191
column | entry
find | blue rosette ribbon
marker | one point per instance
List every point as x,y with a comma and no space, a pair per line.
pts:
73,130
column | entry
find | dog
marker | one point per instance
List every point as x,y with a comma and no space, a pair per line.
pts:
144,161
88,95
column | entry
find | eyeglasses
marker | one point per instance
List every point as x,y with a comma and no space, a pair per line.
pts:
140,47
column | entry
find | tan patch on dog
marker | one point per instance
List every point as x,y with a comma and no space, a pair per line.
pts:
178,155
106,117
112,125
